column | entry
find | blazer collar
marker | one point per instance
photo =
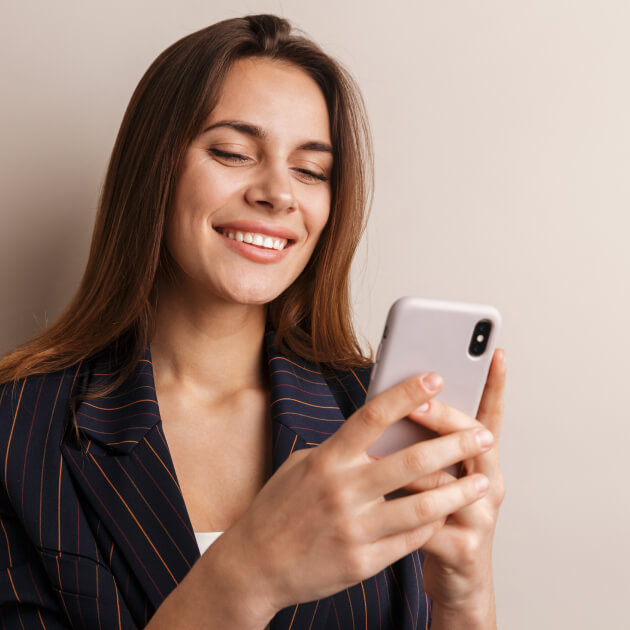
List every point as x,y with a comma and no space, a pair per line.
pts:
128,478
301,401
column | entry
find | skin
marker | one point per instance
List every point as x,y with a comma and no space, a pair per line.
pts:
320,523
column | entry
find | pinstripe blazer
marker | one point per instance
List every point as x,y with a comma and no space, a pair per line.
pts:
98,540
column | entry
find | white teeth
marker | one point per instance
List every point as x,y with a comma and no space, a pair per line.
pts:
261,240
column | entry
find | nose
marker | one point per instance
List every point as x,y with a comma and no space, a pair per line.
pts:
273,189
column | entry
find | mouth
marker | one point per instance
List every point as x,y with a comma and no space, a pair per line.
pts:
255,239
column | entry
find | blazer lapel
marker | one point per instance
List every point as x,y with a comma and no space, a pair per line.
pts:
128,479
304,411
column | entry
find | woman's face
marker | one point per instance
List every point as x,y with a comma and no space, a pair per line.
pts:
254,193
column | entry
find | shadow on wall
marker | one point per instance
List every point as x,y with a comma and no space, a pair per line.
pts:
43,251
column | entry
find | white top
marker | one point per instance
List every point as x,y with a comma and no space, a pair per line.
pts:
204,540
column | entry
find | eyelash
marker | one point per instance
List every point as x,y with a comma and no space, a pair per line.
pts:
241,158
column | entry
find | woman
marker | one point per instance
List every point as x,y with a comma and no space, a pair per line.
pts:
217,284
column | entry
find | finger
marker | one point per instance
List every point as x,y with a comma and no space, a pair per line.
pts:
404,466
446,420
366,424
429,482
409,513
491,406
442,419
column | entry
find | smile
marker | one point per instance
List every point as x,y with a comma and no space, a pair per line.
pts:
255,238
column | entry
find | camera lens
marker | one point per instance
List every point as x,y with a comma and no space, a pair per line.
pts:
479,339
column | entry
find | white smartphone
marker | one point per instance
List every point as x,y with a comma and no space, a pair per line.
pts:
454,339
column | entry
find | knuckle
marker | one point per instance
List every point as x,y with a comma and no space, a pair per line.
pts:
350,532
412,390
372,414
355,566
335,498
415,459
469,548
424,509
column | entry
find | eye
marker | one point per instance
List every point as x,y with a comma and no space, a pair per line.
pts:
230,157
311,176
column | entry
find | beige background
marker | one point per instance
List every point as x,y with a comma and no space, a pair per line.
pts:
502,135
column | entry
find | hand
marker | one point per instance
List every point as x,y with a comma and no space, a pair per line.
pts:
457,570
321,524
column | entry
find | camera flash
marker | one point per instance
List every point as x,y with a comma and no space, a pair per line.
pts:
480,338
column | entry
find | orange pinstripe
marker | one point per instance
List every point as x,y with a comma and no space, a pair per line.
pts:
161,462
292,363
13,585
135,402
135,519
293,618
358,380
413,624
114,432
364,604
303,415
7,539
301,378
133,483
293,445
310,625
40,619
63,599
6,457
351,609
303,403
117,602
41,477
20,617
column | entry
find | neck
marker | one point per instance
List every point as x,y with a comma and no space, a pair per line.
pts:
208,345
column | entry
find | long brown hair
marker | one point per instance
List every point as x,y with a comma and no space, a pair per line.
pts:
116,300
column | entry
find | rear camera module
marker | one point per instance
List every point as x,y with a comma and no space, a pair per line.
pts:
479,339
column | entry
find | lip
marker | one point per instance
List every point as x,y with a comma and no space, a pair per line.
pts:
258,227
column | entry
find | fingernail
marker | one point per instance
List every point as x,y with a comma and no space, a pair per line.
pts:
484,438
481,483
432,381
422,408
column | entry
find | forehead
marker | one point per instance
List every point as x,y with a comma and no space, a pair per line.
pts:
278,96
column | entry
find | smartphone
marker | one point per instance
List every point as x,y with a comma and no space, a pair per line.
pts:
454,339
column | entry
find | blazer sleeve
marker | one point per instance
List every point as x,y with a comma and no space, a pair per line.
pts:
27,599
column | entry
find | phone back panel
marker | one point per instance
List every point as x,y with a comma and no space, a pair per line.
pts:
431,336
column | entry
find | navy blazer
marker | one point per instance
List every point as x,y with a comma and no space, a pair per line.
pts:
98,540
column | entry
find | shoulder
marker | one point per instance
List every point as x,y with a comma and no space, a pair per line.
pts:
33,411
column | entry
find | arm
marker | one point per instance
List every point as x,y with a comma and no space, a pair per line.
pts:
217,593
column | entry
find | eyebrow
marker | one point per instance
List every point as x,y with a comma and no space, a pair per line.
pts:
257,132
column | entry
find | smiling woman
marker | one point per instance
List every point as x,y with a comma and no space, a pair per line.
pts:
186,446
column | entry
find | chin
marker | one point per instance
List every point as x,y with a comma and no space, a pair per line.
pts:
255,295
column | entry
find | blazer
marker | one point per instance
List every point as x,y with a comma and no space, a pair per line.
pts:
98,540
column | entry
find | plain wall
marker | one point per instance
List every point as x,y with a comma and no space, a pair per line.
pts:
502,138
